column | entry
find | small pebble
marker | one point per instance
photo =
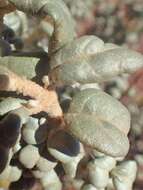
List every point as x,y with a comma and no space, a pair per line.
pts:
29,156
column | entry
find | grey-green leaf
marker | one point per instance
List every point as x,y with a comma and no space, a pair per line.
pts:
100,121
94,62
9,104
23,66
79,48
98,134
96,102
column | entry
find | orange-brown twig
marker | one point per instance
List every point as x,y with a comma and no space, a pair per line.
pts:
45,100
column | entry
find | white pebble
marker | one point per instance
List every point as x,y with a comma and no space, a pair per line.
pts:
45,165
29,156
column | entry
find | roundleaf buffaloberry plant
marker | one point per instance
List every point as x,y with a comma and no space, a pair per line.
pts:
59,126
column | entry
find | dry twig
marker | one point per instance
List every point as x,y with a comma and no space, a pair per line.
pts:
45,100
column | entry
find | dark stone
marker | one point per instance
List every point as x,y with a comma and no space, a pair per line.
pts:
9,130
3,158
64,142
